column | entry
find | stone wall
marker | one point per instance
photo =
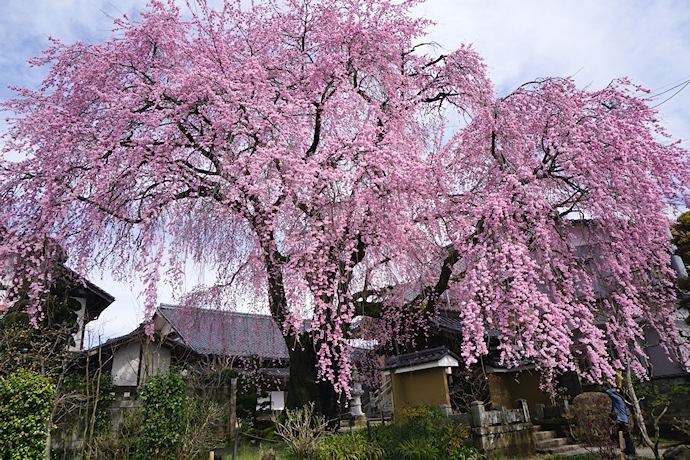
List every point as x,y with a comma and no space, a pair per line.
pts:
514,440
68,442
500,432
125,401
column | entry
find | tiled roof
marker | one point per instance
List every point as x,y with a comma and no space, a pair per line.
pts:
276,371
419,357
137,335
448,320
220,332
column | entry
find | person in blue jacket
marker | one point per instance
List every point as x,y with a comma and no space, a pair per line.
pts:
620,413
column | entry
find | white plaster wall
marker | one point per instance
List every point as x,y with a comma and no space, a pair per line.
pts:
161,325
277,399
80,322
126,365
156,359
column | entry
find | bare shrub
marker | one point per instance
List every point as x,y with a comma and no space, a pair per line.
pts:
469,385
591,425
302,430
683,427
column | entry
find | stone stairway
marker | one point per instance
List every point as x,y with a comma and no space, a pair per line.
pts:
546,442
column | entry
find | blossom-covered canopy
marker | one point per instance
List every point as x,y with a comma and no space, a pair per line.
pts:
301,154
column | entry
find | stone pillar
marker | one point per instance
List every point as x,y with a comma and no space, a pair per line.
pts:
233,407
504,414
478,414
540,411
522,404
446,409
563,406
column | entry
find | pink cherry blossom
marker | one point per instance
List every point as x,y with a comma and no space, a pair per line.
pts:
301,154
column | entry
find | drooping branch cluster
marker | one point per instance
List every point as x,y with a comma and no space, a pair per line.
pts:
300,153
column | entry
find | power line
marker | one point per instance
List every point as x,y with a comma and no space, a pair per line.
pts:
681,87
680,81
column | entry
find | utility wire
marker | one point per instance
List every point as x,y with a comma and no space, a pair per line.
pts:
680,81
681,87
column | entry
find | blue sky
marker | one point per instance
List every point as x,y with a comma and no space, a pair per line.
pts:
595,41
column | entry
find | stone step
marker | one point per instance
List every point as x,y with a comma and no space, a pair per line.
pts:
558,450
566,448
543,435
551,443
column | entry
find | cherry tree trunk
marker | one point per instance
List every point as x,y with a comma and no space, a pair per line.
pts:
303,387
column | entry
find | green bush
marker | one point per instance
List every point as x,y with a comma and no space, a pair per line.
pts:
419,432
122,444
422,420
26,400
169,424
418,449
423,428
350,446
91,392
163,398
573,457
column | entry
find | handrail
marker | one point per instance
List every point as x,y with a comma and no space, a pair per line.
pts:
381,400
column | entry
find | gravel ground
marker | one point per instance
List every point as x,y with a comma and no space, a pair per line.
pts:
642,451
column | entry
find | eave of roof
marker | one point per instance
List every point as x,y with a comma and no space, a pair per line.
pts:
97,299
138,335
419,357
